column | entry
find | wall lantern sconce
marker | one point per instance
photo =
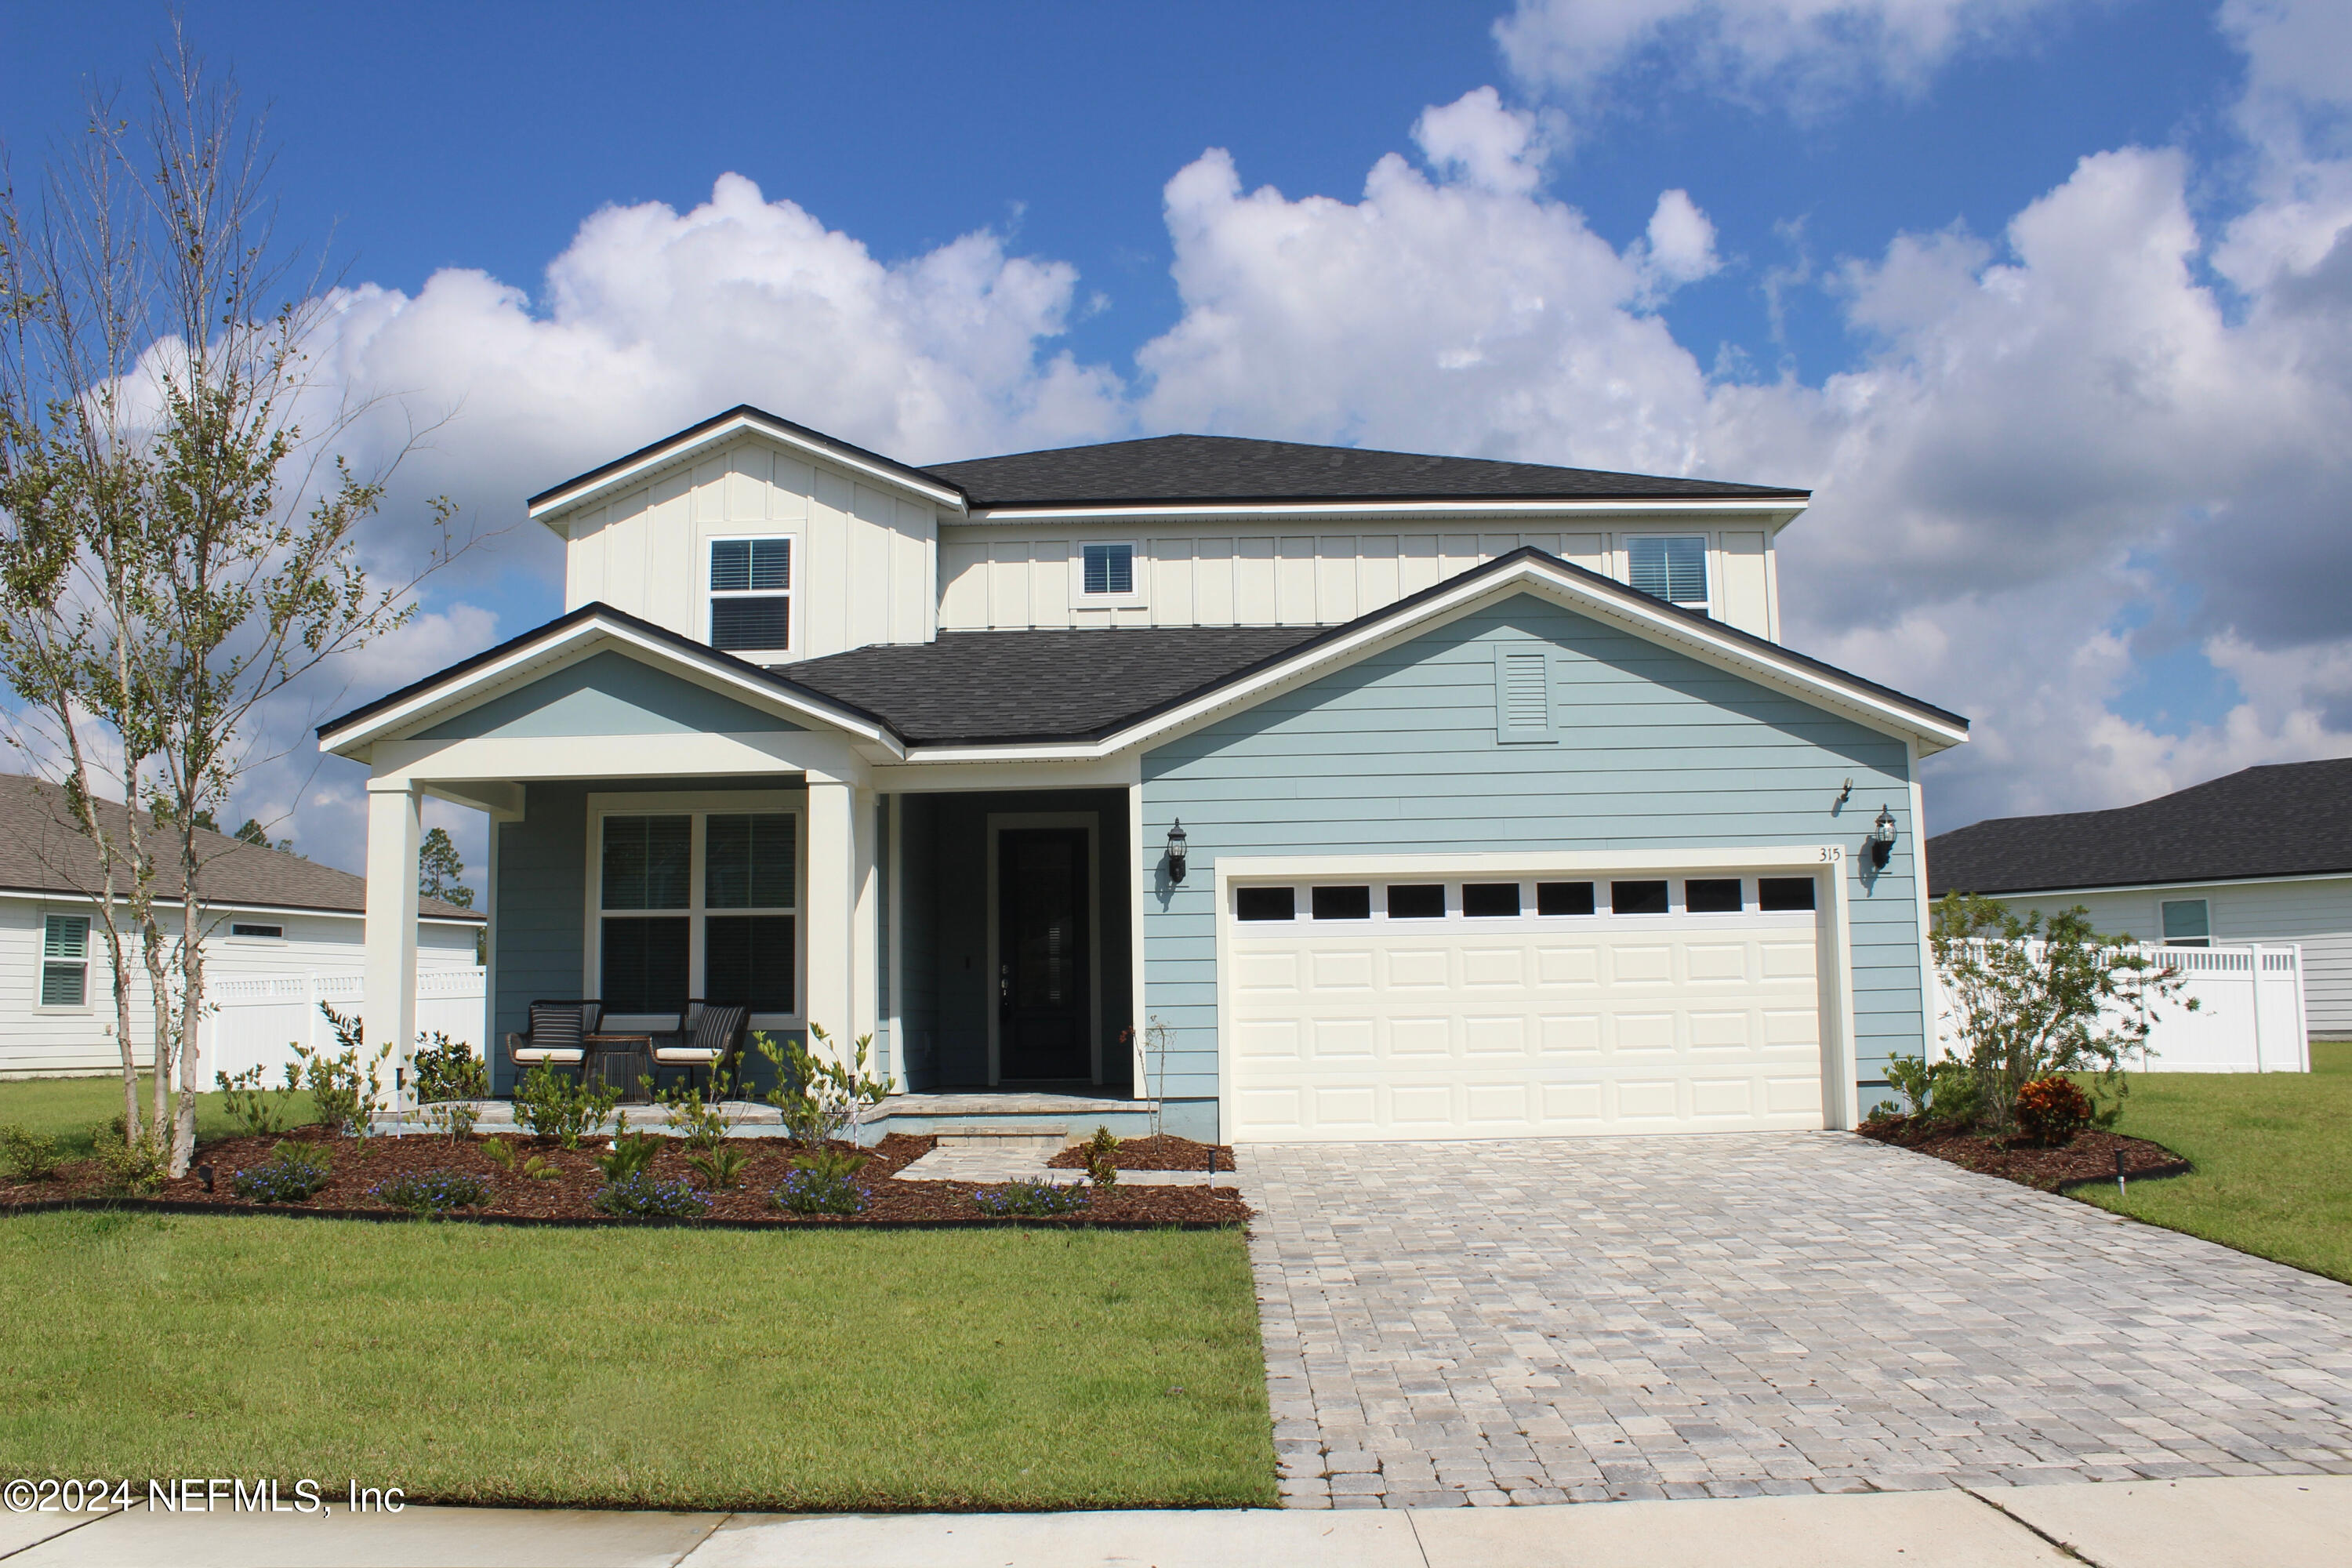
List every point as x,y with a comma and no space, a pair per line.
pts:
1882,838
1176,852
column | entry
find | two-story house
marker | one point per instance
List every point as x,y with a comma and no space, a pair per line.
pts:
1309,793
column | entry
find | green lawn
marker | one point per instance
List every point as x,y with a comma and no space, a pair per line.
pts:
2272,1154
657,1367
67,1108
640,1368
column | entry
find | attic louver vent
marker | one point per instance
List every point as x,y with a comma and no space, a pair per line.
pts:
1523,695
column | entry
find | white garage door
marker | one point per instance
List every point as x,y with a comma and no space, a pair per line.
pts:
1474,1007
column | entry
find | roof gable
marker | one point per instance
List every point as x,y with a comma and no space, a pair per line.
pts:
606,693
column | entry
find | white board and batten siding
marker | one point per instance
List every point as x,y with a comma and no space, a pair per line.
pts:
2315,913
37,1041
1009,577
864,557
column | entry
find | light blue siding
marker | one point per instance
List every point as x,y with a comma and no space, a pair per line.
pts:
606,694
539,914
1399,753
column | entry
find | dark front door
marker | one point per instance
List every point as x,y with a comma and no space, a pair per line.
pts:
1044,1012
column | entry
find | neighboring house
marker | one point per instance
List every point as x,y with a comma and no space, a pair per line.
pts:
270,913
1502,810
2262,856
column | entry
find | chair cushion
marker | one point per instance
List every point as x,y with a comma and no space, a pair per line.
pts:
543,1054
684,1056
715,1028
555,1028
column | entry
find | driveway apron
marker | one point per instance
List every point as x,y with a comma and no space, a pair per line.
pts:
1551,1319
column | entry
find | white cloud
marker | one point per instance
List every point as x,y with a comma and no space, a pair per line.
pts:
1796,53
1680,240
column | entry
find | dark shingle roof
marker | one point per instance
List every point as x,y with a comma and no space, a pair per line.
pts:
42,852
1009,687
1234,468
2290,819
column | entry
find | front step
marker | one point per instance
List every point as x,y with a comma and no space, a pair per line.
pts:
1019,1137
1011,1119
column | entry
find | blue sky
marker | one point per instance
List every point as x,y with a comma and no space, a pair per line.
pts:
2037,294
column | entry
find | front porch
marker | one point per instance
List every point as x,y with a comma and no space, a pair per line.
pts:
983,939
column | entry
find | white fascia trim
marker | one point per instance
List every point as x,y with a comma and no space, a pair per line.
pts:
662,456
227,907
2167,886
1373,507
1658,626
574,640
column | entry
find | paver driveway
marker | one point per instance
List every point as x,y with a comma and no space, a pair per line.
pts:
1545,1320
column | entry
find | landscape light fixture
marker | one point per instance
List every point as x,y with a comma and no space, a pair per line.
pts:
1882,838
1176,851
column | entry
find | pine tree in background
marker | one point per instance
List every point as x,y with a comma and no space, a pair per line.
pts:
438,869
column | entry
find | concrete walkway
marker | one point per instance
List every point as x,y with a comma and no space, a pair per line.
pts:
1542,1320
2266,1523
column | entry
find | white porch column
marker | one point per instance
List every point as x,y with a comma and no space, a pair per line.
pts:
831,915
865,926
388,1003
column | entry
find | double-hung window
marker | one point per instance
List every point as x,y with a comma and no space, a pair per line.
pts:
751,595
698,904
1106,571
1673,568
65,960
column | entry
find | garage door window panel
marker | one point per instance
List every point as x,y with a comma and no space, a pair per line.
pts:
1563,898
1638,898
1490,901
1258,904
1416,900
1784,894
1712,895
1342,903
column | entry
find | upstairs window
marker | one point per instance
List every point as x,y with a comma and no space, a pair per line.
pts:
751,595
1672,569
65,960
1106,569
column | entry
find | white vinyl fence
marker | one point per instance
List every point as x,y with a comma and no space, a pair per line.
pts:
2248,1015
255,1019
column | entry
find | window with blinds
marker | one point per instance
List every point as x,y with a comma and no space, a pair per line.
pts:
1672,569
65,960
1523,695
698,904
1107,568
751,595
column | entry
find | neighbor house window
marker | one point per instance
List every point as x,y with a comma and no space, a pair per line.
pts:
65,960
1107,568
698,904
1672,569
751,593
259,933
2188,923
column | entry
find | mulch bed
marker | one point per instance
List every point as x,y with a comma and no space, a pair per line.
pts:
1165,1152
569,1196
2090,1156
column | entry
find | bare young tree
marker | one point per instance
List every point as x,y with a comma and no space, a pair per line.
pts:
179,545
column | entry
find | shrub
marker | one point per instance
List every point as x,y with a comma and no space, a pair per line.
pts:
295,1172
641,1195
553,1104
345,1090
27,1156
819,1098
833,1164
1102,1170
719,1167
501,1153
432,1192
630,1153
447,1070
2051,1110
127,1164
817,1192
259,1111
703,1122
1031,1198
1944,1093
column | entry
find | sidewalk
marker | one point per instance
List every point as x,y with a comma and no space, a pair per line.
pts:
2267,1521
